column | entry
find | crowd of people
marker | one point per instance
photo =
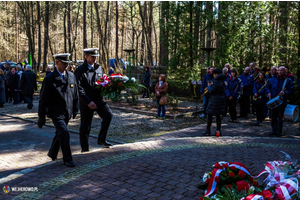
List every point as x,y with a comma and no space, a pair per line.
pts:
65,91
17,84
223,89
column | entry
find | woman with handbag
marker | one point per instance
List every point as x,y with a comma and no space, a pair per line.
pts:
217,101
260,92
161,89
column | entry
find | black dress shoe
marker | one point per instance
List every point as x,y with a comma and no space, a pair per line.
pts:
53,158
106,144
82,151
273,133
70,164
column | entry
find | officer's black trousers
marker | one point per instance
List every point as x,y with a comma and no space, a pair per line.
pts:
232,107
259,111
244,105
61,139
87,114
277,118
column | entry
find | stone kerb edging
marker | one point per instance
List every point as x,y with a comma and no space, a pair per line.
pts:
187,114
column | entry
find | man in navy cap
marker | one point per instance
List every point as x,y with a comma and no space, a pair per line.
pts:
59,101
91,100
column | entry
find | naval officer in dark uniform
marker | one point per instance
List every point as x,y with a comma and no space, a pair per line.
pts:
91,100
59,101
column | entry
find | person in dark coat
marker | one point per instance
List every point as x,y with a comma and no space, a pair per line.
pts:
28,85
246,91
217,101
7,75
207,79
2,88
91,100
59,101
260,92
277,87
13,85
147,82
232,92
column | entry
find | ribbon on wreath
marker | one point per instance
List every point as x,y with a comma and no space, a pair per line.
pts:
284,187
253,197
103,80
116,76
218,168
266,194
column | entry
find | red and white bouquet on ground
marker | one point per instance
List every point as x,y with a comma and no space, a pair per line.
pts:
111,86
233,181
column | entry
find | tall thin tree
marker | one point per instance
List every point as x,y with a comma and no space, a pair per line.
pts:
84,25
39,36
117,36
46,40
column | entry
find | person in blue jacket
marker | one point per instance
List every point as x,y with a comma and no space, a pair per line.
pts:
226,73
260,92
277,87
208,78
232,92
289,74
273,73
227,65
246,90
111,71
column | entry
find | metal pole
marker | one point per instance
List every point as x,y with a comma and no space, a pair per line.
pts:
208,58
129,67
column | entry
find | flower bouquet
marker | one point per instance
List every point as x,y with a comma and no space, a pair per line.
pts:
233,181
230,181
111,86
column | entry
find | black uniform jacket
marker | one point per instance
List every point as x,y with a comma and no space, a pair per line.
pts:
58,97
28,82
14,81
86,80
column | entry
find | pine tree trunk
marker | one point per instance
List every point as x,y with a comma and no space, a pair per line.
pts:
92,30
65,28
39,37
46,27
84,25
69,29
191,35
283,31
117,36
150,24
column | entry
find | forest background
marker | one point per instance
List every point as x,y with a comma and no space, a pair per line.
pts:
167,33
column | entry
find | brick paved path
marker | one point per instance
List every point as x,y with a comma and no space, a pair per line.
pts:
166,167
